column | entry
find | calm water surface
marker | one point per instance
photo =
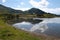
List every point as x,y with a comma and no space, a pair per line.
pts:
47,26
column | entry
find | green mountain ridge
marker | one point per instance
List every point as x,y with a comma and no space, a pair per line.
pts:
8,10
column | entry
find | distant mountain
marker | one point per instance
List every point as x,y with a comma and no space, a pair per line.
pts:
35,11
38,12
5,10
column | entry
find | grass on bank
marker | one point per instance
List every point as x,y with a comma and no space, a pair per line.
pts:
8,32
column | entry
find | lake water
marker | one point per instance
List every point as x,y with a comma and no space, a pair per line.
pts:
49,26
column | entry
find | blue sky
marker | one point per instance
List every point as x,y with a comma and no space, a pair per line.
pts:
52,6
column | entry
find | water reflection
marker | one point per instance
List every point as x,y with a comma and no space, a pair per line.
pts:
48,26
53,25
23,25
28,26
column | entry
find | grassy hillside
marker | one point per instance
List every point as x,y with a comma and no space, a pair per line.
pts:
8,32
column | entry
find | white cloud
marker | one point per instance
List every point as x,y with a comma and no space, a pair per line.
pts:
23,9
43,5
51,10
22,3
3,1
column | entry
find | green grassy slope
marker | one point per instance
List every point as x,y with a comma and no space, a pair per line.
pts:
11,33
